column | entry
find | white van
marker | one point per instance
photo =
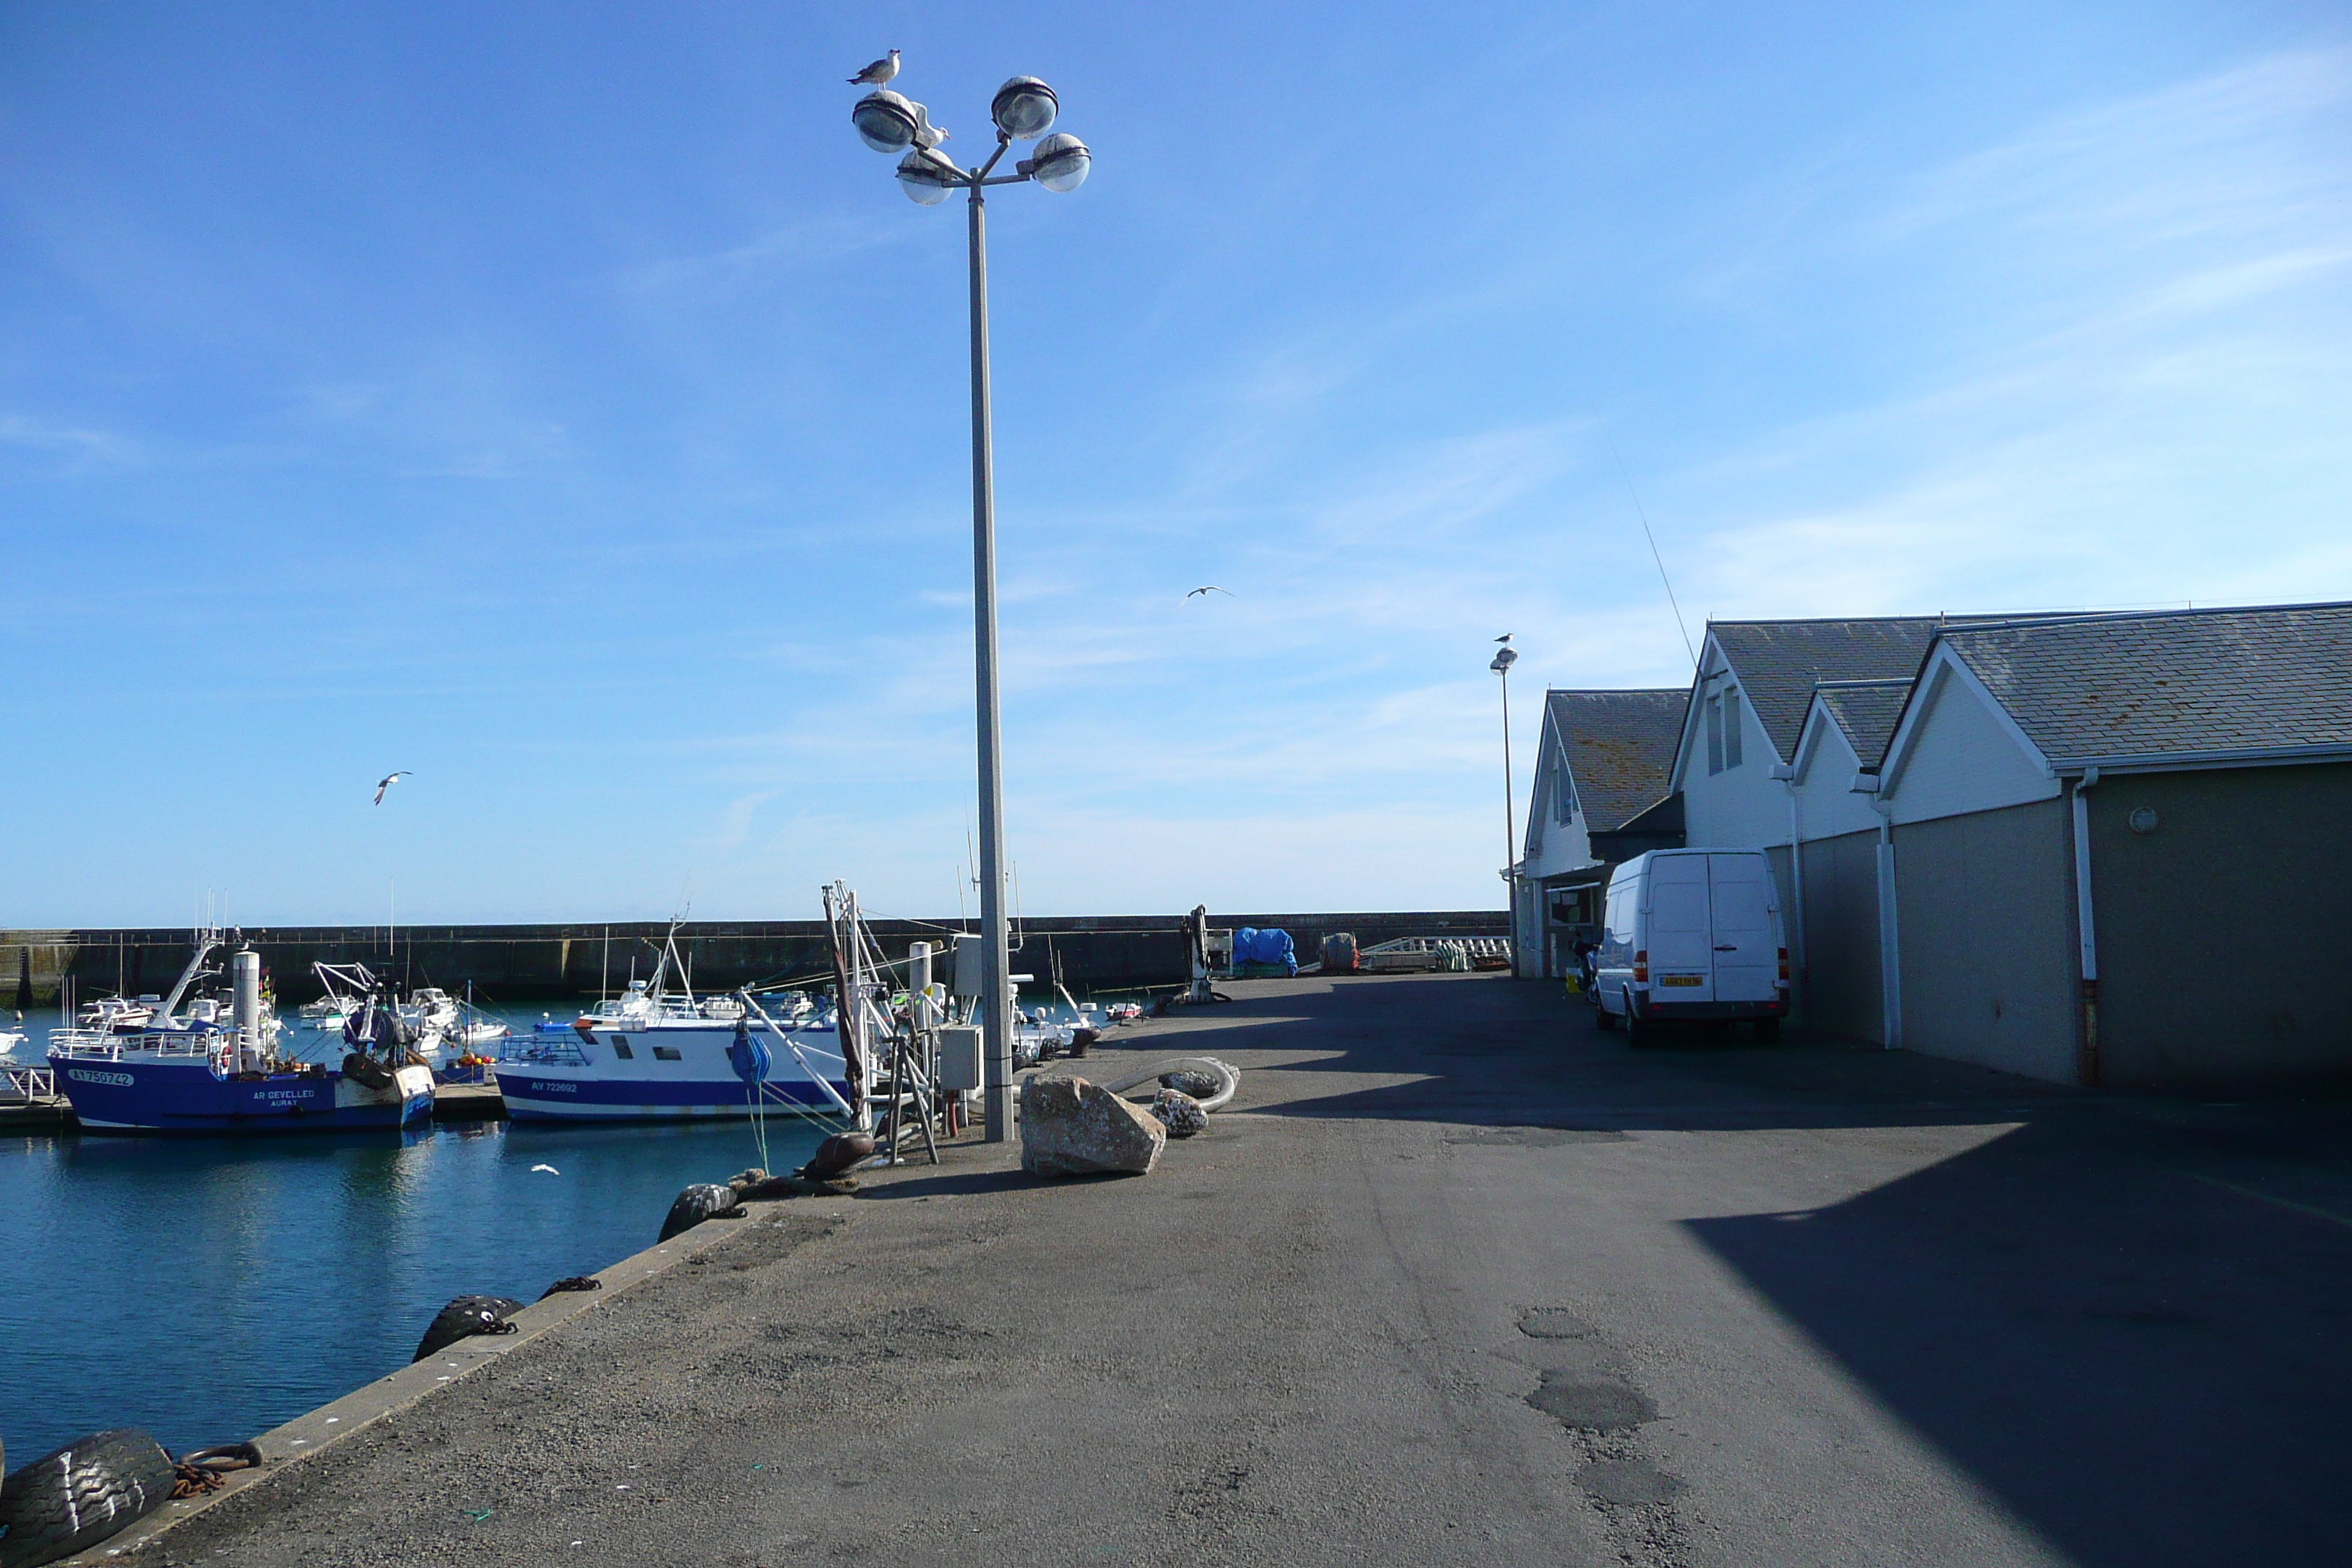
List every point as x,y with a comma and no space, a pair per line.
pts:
1692,933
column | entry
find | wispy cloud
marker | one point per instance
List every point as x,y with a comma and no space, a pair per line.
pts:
77,441
812,243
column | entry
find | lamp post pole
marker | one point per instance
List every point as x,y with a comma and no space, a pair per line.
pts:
1505,656
1023,109
996,1070
1507,770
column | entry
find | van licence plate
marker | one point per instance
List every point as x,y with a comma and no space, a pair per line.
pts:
1682,980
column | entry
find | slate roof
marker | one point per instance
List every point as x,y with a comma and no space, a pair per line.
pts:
1620,748
1779,662
1866,711
2176,683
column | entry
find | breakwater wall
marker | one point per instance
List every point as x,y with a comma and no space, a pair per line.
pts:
514,962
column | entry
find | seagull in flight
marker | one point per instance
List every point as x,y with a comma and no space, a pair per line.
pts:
879,73
1211,588
549,1169
384,783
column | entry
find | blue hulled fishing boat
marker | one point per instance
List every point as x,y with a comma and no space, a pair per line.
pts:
195,1072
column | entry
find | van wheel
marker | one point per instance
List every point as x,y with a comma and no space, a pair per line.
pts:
1639,1031
1602,1018
1768,1029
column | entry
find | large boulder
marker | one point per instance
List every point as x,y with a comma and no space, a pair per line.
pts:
1073,1128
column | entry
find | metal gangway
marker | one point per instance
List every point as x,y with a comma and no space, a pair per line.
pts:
1422,954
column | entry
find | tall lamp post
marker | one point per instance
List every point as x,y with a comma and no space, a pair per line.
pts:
1505,656
1023,109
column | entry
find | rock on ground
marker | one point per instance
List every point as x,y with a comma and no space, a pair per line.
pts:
1179,1112
1073,1128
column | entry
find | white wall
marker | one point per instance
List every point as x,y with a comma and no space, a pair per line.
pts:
1553,846
1739,808
1958,753
1827,806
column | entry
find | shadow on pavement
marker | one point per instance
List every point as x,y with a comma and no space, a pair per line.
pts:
1491,1051
2134,1335
2126,1314
950,1182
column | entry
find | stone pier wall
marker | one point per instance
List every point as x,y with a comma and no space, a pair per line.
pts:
512,962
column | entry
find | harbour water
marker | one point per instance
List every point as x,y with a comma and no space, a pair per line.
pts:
208,1289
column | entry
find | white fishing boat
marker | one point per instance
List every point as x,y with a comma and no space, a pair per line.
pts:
653,1053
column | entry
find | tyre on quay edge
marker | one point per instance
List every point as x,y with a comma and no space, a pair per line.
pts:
82,1494
464,1318
702,1200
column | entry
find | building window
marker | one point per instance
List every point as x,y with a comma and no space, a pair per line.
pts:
1715,734
1731,728
1563,802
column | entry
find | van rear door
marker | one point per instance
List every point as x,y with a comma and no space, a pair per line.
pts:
1680,951
1746,955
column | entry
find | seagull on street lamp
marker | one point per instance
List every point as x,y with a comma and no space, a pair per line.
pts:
384,783
879,73
1211,588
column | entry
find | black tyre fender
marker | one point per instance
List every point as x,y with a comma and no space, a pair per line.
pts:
1602,1018
82,1494
836,1156
702,1200
1639,1031
464,1317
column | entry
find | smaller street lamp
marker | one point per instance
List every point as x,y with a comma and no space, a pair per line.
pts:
1506,656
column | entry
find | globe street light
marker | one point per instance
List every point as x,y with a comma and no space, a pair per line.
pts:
1023,110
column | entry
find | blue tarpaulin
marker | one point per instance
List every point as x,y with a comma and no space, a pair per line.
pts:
1269,948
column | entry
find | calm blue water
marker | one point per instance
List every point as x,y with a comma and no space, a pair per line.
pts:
209,1288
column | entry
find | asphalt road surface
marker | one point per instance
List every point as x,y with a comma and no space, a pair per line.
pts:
1458,1280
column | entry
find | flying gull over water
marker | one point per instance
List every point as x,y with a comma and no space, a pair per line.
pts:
384,783
879,73
1211,588
549,1169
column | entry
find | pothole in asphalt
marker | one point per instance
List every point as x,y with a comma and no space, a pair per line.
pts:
1630,1483
1553,1323
1591,1404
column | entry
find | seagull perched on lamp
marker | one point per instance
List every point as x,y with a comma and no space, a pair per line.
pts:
385,783
879,73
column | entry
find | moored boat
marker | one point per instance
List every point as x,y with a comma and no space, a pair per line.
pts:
654,1054
190,1073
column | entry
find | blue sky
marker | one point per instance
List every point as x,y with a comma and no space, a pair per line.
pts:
557,401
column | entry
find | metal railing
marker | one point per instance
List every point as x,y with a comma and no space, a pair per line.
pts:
29,1084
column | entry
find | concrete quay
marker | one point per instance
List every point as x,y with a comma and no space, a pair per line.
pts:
1458,1280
